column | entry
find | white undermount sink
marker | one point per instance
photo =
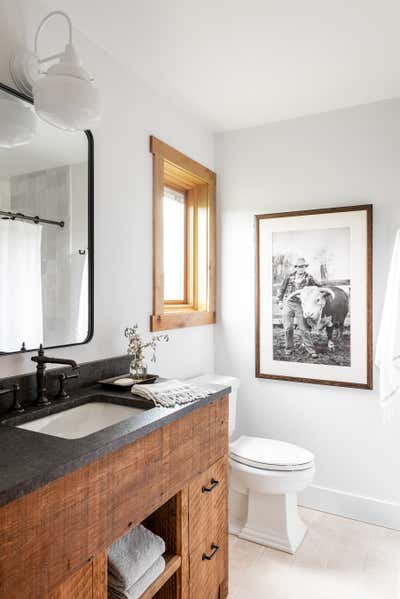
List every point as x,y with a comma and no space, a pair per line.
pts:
83,420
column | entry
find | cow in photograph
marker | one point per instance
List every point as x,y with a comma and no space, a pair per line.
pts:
324,308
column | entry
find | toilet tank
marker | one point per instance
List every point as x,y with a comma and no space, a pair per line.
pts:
223,381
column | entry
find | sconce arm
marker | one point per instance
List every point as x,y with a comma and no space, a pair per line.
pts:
39,29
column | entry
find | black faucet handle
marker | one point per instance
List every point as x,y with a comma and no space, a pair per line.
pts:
74,374
16,407
62,378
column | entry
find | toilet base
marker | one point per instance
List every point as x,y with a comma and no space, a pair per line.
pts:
238,503
273,520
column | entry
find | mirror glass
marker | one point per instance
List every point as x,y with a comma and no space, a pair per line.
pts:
45,230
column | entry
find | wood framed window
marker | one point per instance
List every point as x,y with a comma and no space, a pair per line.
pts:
183,240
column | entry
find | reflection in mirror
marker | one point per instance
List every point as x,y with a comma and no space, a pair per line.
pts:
44,233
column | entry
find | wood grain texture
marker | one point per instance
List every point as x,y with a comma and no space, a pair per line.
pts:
182,535
207,510
158,235
180,319
78,586
172,564
223,589
99,576
170,522
55,530
159,148
174,169
212,241
179,178
369,282
163,522
206,576
208,526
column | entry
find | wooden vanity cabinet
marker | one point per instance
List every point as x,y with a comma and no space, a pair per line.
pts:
54,541
208,534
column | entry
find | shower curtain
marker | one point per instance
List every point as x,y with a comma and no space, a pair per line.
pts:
21,310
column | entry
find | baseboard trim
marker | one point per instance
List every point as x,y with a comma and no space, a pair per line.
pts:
349,505
235,529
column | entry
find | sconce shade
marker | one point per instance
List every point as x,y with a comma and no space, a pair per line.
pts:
66,97
67,103
17,123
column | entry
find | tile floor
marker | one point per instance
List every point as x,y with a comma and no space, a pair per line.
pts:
339,559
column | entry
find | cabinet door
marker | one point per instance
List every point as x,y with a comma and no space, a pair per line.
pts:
208,505
207,570
208,532
90,582
78,586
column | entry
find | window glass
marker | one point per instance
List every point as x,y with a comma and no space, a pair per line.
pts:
174,245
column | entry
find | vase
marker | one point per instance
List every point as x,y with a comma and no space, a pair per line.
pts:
137,369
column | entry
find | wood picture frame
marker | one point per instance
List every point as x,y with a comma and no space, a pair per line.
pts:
314,296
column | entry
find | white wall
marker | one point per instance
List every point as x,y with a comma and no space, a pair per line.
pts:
334,159
123,196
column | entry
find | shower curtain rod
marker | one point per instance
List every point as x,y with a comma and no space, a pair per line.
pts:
34,219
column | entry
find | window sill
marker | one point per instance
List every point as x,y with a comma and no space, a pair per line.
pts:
180,319
177,307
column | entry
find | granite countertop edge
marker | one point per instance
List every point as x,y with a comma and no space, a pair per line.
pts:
15,481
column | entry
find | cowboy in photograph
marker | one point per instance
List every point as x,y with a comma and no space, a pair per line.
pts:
291,307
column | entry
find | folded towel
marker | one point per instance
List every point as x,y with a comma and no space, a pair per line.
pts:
130,557
173,392
137,589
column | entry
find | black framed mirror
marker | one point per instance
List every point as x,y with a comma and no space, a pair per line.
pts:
46,230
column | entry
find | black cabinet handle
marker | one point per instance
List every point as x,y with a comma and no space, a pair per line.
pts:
214,548
214,483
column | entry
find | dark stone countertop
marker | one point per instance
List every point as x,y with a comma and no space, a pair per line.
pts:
30,460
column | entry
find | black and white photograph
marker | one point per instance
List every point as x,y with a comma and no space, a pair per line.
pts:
313,296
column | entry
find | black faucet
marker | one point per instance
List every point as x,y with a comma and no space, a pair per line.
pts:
42,360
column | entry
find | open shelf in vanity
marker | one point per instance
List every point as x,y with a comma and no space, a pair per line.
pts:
172,564
168,522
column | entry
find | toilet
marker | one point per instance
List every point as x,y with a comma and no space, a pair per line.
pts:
265,477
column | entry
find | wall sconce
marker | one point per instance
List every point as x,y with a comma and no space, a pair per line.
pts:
64,96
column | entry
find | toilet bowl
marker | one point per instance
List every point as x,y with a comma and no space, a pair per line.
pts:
265,477
270,474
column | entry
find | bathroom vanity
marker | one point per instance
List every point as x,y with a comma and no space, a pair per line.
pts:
74,482
65,501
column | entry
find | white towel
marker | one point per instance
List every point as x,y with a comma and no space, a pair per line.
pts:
387,357
137,589
130,557
171,393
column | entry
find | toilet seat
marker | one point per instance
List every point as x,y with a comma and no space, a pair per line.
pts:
269,454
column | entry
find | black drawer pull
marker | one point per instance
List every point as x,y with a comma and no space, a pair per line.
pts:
214,483
214,548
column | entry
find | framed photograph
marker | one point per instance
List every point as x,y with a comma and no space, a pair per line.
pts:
314,296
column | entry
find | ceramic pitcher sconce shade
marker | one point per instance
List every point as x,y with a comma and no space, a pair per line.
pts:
64,95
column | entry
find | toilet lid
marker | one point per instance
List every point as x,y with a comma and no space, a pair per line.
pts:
269,454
